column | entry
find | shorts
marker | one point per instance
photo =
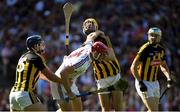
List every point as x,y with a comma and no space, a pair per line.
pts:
59,93
107,82
153,89
22,99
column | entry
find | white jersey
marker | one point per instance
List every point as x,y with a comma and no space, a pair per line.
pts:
79,59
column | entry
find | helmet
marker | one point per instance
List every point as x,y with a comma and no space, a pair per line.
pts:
33,40
86,30
156,31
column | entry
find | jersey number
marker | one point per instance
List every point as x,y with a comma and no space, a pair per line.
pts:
20,66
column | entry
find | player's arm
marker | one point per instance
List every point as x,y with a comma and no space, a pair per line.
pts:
39,62
43,77
50,75
92,36
136,62
164,68
134,69
65,79
110,54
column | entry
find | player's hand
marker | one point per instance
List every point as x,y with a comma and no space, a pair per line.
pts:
169,83
143,87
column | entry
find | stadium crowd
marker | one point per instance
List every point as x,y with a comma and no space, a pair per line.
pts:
125,21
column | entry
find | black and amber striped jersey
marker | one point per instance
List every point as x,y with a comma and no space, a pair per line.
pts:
150,57
104,69
28,71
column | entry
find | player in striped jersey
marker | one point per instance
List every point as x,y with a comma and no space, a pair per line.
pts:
107,72
149,59
31,64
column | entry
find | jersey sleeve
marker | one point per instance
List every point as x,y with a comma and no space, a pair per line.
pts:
163,55
141,54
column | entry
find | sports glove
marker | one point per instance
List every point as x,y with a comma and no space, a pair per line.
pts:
169,83
143,87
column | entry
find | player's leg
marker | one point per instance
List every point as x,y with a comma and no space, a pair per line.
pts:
77,104
151,103
64,106
151,97
24,100
58,93
14,106
104,99
31,103
35,107
117,100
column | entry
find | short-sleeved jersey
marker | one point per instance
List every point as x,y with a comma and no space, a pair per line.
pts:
28,70
104,69
150,58
79,59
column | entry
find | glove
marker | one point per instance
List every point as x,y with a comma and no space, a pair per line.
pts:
143,87
169,83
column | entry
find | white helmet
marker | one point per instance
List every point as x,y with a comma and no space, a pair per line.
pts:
156,31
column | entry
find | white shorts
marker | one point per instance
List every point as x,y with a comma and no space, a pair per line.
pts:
21,99
107,82
59,93
153,89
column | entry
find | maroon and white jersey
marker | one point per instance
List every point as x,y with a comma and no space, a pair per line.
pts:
79,59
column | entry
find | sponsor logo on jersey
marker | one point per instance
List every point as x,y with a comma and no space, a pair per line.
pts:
155,62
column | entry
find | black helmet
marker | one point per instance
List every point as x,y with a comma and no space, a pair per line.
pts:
33,40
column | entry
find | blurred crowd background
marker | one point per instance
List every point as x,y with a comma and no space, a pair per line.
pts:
126,22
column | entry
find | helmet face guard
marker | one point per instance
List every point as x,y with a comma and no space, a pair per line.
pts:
89,25
36,43
154,35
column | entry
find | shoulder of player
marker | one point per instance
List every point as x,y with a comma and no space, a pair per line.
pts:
144,46
33,56
160,46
